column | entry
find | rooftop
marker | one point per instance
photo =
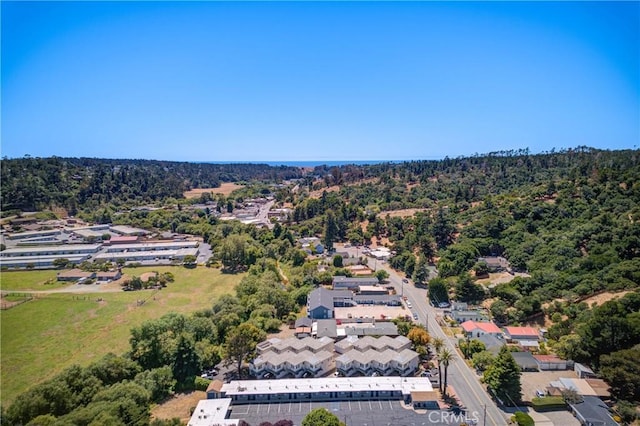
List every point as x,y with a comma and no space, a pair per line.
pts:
522,331
210,412
592,411
487,327
326,384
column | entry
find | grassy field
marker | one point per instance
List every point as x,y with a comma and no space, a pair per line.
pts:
43,336
30,280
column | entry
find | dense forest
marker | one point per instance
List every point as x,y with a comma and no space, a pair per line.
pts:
568,221
30,184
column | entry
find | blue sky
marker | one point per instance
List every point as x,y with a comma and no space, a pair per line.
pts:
215,81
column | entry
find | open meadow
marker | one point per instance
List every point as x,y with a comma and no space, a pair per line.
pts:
53,331
30,280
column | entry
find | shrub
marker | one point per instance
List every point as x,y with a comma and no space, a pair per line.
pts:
548,403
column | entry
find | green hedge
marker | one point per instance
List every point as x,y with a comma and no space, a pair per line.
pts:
548,403
523,419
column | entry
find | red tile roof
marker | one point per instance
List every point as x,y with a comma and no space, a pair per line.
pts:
487,327
522,331
548,358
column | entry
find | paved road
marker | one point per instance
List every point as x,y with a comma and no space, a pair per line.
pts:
463,379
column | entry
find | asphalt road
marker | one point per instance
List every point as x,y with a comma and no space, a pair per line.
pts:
464,380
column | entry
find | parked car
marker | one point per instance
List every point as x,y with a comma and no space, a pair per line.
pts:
415,316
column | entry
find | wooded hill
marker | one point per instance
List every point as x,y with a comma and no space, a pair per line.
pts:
74,183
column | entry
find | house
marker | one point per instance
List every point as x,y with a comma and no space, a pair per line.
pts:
495,263
75,275
592,411
293,357
109,275
583,387
372,290
525,361
463,316
492,343
550,362
123,239
377,299
213,390
348,283
326,389
303,327
369,329
583,371
385,362
211,412
325,328
477,329
528,345
320,302
128,230
459,306
513,334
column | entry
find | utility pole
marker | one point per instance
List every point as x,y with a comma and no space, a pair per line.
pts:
484,418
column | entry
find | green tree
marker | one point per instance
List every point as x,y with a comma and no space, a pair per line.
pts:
482,360
241,343
421,271
189,260
330,231
337,261
621,370
503,377
232,252
481,269
61,262
381,275
159,382
467,290
321,417
438,291
185,363
471,347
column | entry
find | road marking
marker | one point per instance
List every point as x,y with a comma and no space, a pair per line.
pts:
349,405
380,404
359,405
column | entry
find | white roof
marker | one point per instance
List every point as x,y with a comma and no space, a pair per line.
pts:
147,254
124,229
328,384
211,412
51,249
153,246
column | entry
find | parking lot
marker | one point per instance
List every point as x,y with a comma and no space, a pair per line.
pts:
352,413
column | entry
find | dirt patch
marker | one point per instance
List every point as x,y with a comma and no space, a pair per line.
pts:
179,406
599,299
224,189
284,333
500,278
318,193
148,276
400,213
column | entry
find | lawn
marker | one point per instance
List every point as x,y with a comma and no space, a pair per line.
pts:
43,336
30,280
